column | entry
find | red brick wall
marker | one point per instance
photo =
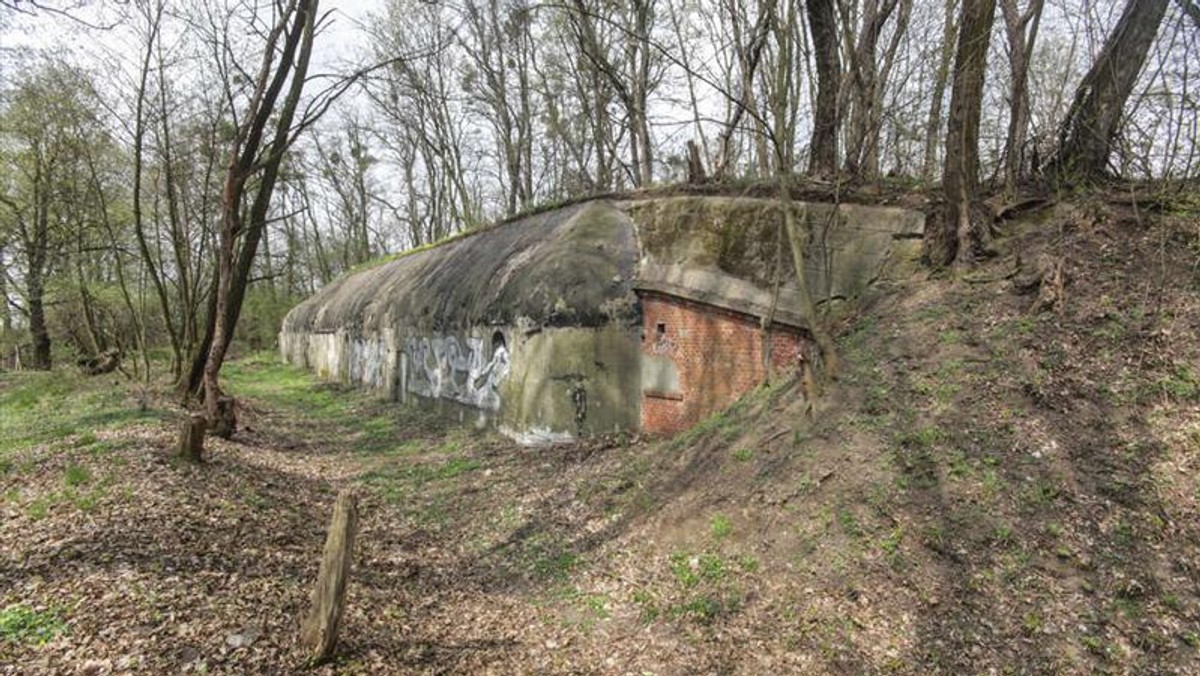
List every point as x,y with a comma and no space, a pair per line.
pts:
718,356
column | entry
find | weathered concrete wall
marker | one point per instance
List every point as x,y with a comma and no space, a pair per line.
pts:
731,251
573,381
536,325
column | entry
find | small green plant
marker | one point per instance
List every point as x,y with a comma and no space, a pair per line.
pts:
1180,385
720,527
645,601
555,565
743,455
960,466
1003,534
805,484
849,523
77,475
598,604
712,567
748,563
922,438
690,571
703,609
39,508
950,337
1032,622
22,624
891,544
1171,601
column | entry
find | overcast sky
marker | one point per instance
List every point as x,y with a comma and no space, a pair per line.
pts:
40,32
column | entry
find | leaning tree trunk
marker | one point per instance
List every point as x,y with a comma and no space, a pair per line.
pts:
245,161
1086,137
964,231
822,23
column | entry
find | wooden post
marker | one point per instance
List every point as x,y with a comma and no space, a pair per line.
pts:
319,634
191,438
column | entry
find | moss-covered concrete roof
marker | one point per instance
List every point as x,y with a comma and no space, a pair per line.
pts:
571,266
579,265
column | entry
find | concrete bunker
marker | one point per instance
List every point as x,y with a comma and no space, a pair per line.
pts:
603,316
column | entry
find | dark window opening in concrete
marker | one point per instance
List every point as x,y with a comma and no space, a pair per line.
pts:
497,341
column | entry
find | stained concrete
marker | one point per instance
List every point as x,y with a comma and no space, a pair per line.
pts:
534,325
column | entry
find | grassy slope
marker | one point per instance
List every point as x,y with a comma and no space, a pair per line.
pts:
988,488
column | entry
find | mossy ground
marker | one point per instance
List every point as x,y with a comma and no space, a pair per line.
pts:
988,487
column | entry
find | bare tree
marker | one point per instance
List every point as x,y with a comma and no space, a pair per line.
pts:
1021,29
868,75
963,231
750,52
252,154
941,76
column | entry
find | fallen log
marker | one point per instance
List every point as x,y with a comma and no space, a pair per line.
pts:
105,362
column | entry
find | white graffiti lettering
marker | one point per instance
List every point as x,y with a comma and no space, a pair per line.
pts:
444,366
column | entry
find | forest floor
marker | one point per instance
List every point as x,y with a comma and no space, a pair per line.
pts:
1005,478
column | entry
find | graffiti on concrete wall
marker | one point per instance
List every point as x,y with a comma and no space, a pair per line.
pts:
368,361
463,370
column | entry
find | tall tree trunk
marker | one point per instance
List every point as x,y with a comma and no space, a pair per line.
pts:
1087,134
37,245
964,230
867,79
185,338
39,334
1021,29
153,18
823,154
941,75
6,323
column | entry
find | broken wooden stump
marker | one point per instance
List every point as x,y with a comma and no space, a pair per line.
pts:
191,438
318,636
225,422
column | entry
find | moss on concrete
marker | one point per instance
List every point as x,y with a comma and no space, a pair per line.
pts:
559,268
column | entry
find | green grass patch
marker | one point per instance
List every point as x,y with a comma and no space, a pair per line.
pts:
648,605
397,482
350,415
77,475
1180,385
690,571
705,609
42,407
21,624
261,376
